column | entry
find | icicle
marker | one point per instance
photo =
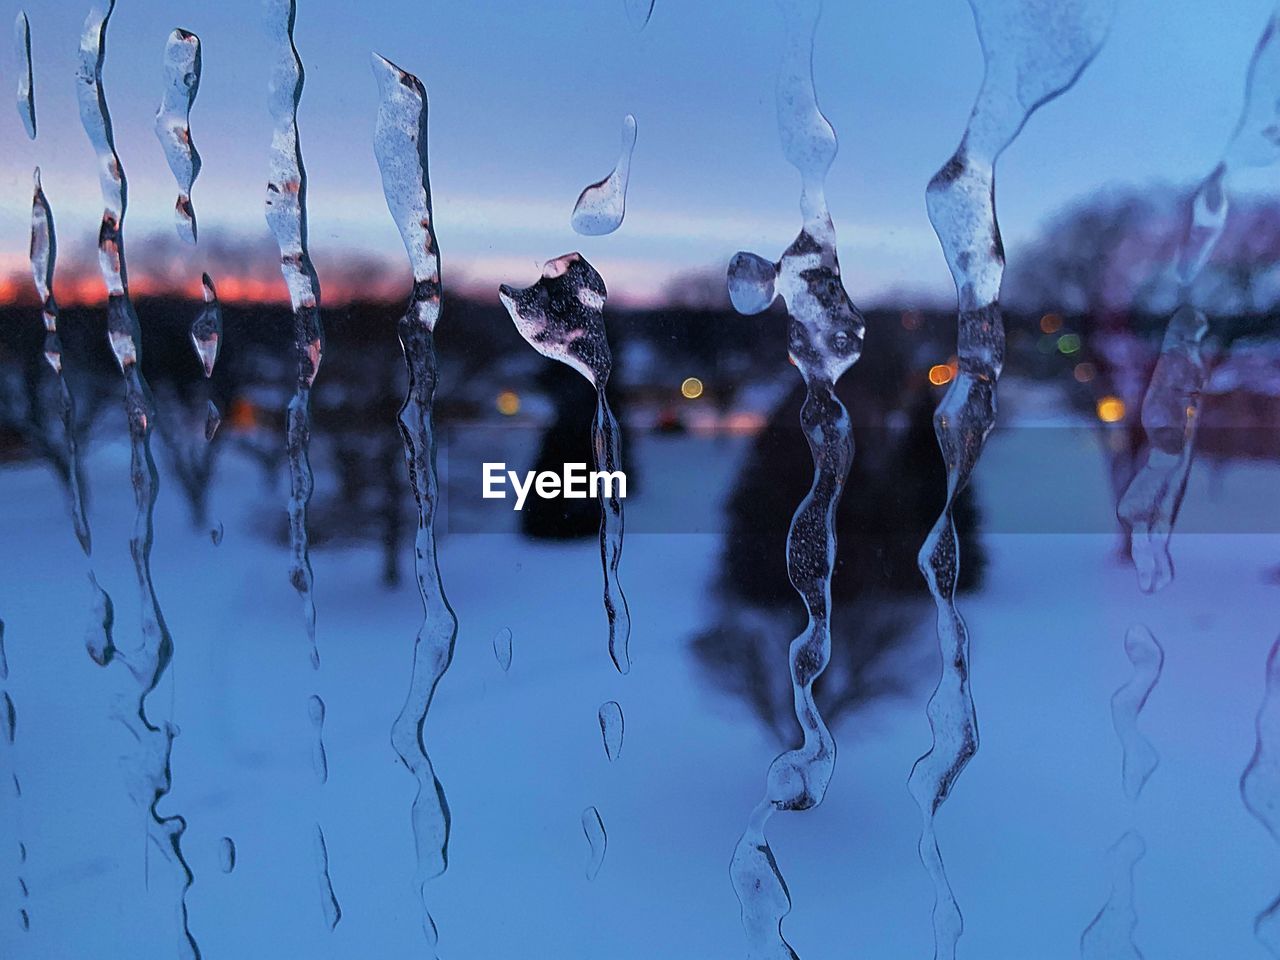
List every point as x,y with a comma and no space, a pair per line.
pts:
562,317
26,93
502,648
44,248
400,144
639,12
286,207
1260,788
1033,52
1171,408
226,854
286,210
824,331
597,840
1110,935
206,329
601,206
611,728
148,662
173,126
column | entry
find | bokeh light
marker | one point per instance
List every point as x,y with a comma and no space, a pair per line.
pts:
1110,409
691,388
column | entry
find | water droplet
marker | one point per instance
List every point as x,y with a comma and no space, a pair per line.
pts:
4,658
602,206
216,533
328,902
610,717
597,840
226,854
206,329
502,648
98,638
751,283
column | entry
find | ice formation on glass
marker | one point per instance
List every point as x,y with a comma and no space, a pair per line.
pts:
502,648
562,317
601,206
1034,50
824,335
1171,408
149,661
1111,932
597,840
319,760
611,728
10,725
44,249
400,144
26,92
1260,787
173,122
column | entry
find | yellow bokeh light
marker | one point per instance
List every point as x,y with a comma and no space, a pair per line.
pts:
691,388
941,373
1110,409
508,403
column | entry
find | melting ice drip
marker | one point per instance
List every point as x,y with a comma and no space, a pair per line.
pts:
400,144
26,92
824,336
173,122
1171,407
149,661
1260,788
9,721
601,206
1110,935
1034,50
562,317
44,248
286,209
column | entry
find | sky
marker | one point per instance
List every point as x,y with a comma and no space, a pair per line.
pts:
527,101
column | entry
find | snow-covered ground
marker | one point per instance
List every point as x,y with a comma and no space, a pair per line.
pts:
1025,833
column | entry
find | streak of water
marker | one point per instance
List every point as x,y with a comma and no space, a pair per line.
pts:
10,727
502,648
44,253
824,334
562,317
206,329
1111,932
597,840
149,661
212,421
1033,50
601,206
173,123
611,728
286,213
1171,408
1260,787
400,144
26,92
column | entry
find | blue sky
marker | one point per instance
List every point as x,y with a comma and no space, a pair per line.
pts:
527,101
